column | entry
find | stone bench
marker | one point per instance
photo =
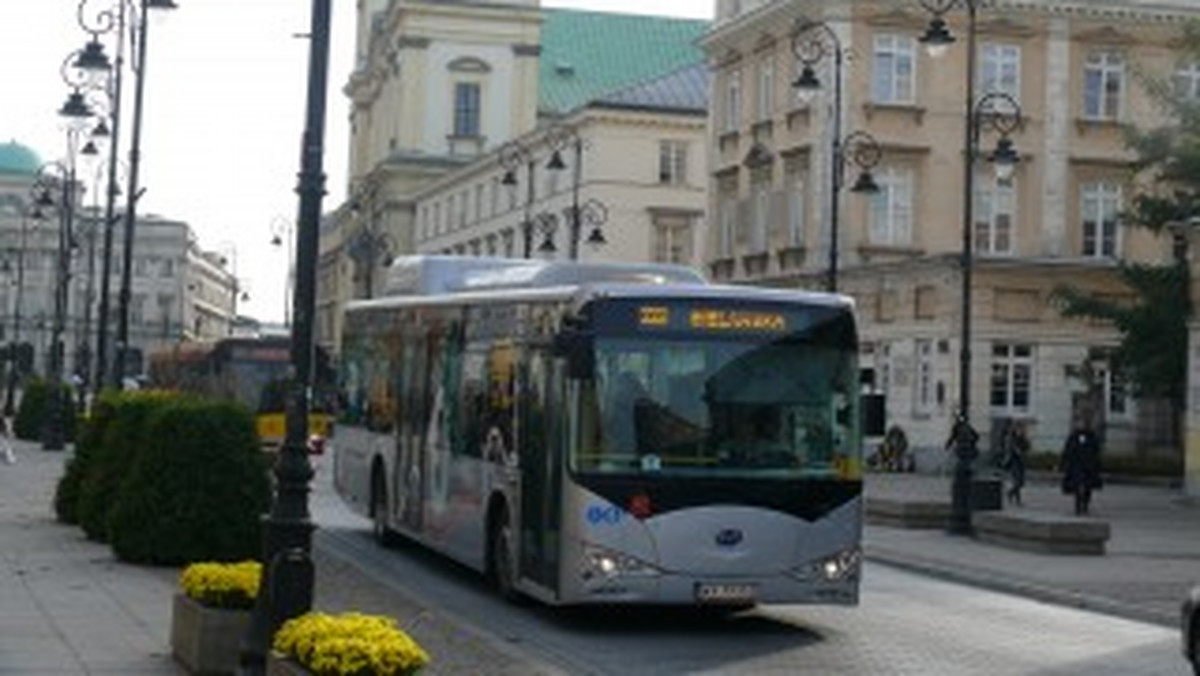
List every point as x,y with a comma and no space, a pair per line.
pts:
908,512
1042,532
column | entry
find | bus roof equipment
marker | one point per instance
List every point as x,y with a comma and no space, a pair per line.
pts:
429,275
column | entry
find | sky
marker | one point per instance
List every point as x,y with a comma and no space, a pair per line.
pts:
223,113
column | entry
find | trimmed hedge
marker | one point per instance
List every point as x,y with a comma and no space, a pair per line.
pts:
35,406
91,436
32,411
122,439
196,491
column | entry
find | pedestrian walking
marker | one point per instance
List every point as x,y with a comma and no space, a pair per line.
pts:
1080,464
1015,447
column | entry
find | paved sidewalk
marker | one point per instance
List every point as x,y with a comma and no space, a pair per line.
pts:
68,607
1153,555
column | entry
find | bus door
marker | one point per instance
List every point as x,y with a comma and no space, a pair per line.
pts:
541,423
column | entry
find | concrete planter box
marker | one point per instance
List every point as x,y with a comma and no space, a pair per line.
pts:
280,665
206,640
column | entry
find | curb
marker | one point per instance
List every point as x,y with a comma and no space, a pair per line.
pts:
1011,585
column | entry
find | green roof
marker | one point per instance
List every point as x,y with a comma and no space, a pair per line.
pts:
18,159
588,54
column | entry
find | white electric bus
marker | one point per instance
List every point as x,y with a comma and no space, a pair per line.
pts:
608,433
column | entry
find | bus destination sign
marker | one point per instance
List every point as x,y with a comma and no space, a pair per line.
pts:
714,319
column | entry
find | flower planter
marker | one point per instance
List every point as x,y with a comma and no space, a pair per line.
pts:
279,664
206,640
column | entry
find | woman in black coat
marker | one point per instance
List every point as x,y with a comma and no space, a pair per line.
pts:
1080,465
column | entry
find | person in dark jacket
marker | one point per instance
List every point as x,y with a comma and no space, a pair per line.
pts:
1080,465
1016,447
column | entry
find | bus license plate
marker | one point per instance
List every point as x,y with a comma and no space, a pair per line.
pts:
725,593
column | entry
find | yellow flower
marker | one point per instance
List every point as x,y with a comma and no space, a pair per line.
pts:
350,644
222,585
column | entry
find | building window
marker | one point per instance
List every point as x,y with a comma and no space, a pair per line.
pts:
923,399
796,202
1100,207
168,267
765,101
479,202
891,208
761,218
672,162
728,215
1103,79
673,239
464,205
1187,80
1117,395
733,101
137,308
1012,378
892,76
466,109
994,212
508,242
1000,70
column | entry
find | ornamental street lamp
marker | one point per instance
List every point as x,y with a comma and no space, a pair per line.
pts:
10,394
115,17
287,574
512,155
283,237
371,248
591,213
812,42
1003,118
560,138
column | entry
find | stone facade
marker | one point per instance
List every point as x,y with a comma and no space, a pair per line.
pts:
178,291
1073,67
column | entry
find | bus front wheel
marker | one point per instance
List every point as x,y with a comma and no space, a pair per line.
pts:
503,570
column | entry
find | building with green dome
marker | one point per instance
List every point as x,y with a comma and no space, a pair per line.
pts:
178,291
19,160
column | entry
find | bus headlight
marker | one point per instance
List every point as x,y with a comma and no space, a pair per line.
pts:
607,564
841,565
830,568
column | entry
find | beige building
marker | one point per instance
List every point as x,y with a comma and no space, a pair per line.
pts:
178,291
440,88
1073,67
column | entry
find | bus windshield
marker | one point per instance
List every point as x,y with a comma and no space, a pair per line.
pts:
787,407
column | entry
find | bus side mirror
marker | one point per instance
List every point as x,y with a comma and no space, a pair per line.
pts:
576,347
872,407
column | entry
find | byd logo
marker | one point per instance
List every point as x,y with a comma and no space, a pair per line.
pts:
603,515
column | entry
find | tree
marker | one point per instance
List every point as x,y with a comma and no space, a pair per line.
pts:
1153,350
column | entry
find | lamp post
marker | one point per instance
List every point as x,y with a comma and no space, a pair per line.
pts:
133,192
287,574
592,213
10,394
1003,119
236,291
812,42
512,155
370,248
560,138
115,17
283,236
